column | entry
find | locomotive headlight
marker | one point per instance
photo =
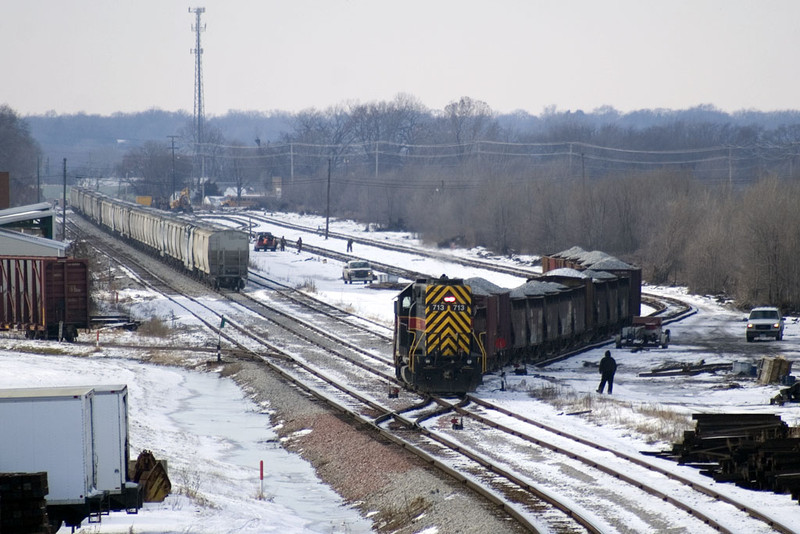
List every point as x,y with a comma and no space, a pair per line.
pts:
427,361
469,362
449,299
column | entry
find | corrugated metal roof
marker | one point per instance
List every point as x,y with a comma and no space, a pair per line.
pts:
17,244
30,208
41,215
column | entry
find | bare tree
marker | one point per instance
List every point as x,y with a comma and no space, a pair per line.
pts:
713,248
18,156
149,169
242,166
768,235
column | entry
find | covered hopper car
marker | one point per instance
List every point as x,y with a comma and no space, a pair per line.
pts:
44,296
212,253
450,332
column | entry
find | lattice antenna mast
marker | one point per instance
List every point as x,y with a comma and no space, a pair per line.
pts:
199,113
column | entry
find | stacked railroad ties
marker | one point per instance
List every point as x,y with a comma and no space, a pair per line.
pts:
755,451
23,508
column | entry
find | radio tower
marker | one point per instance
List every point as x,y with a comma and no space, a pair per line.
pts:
199,113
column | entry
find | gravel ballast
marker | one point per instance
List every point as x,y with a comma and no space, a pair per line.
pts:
393,488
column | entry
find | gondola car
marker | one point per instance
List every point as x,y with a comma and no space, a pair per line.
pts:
560,311
213,253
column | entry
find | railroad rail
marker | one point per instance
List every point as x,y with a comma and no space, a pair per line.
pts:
625,474
360,406
671,309
312,373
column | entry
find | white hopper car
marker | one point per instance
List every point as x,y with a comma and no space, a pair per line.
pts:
213,253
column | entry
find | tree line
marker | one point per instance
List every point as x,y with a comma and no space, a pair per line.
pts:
698,198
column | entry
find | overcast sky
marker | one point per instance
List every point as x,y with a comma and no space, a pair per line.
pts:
107,56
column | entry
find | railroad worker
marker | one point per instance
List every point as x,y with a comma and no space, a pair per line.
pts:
299,245
283,243
349,245
608,366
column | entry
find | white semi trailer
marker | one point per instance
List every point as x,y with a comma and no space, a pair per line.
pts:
51,430
78,435
112,450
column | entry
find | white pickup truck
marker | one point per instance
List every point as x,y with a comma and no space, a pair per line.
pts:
358,271
765,321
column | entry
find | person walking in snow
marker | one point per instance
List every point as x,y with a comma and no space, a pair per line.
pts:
608,366
283,243
299,245
349,245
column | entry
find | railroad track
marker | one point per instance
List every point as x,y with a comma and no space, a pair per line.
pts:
671,309
335,387
653,477
244,222
314,367
305,302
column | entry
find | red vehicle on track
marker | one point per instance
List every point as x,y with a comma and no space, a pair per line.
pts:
266,241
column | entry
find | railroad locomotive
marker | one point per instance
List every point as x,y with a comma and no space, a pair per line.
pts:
435,342
446,347
209,252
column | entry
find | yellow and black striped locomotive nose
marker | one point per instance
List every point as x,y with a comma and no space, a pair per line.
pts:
448,311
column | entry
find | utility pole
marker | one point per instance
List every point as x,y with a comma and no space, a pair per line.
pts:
64,205
172,138
328,202
199,113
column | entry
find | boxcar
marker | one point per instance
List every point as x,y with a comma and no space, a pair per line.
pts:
46,297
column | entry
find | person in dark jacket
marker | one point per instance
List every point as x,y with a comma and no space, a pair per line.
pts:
299,245
608,366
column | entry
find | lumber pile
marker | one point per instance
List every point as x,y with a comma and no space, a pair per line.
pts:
687,369
773,370
23,509
754,451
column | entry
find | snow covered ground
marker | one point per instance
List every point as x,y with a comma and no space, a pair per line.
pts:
214,437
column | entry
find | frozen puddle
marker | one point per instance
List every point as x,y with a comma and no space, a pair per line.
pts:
215,410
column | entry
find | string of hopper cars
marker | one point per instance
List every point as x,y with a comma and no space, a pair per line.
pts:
209,252
450,332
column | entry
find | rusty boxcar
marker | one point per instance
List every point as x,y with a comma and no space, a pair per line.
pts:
46,297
